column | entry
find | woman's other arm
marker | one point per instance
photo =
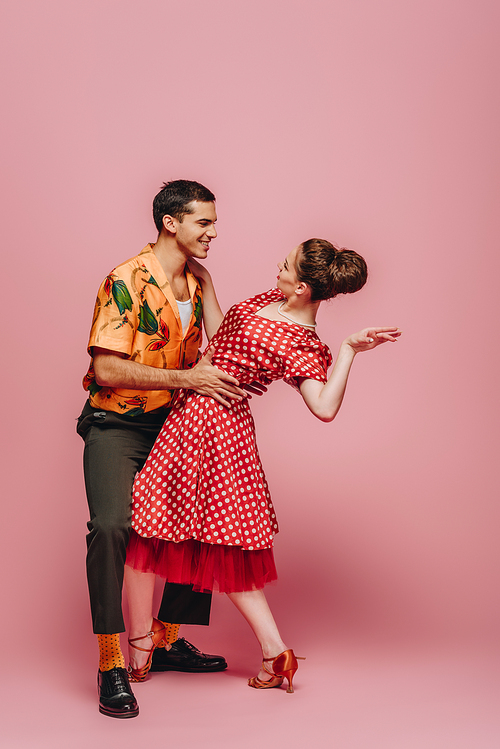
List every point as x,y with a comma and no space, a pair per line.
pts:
324,400
212,313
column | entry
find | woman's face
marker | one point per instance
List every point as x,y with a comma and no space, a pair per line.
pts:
287,278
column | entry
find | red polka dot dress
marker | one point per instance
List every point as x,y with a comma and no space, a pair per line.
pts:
202,513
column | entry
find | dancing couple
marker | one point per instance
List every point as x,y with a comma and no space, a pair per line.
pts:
178,479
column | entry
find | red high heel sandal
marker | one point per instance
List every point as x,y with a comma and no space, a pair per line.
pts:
283,667
157,635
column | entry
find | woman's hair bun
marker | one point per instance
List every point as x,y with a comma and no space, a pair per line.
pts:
329,270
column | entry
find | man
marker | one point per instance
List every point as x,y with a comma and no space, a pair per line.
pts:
144,344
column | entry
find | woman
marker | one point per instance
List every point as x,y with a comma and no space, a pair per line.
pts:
202,510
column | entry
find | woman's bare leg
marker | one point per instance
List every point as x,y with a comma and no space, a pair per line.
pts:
254,607
140,588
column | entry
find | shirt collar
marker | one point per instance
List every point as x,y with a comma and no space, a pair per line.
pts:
154,267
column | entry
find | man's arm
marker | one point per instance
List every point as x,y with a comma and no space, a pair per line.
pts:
113,370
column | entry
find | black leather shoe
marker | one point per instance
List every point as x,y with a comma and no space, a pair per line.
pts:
116,698
185,657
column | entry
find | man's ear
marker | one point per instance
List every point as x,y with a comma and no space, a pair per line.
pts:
170,223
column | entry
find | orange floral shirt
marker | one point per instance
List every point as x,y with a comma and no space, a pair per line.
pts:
136,314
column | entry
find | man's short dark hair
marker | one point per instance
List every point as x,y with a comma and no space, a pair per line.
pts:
174,199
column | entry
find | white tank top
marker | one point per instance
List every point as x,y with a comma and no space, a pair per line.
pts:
185,312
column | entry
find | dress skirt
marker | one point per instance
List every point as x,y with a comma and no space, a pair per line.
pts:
207,567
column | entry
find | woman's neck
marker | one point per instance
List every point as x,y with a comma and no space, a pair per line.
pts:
299,310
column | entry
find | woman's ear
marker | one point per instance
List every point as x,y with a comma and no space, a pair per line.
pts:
302,288
170,224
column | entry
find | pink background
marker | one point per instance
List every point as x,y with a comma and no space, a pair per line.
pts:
373,123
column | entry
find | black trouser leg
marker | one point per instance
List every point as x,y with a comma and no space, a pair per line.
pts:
180,605
116,447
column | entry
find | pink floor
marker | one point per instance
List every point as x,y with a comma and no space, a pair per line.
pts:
349,695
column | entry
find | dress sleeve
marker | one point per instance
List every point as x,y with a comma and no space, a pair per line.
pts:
306,360
115,317
262,300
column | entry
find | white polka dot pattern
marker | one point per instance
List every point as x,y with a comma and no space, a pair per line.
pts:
203,478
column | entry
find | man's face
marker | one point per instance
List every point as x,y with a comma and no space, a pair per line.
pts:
196,230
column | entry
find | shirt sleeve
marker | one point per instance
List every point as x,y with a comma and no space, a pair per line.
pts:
306,361
115,317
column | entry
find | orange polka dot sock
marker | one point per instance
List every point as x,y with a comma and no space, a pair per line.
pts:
172,632
110,652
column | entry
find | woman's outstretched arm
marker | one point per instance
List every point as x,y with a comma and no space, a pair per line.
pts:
324,400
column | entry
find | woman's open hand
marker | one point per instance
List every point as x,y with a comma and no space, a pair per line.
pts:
370,338
198,270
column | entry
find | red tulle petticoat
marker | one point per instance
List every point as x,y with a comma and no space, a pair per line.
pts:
207,567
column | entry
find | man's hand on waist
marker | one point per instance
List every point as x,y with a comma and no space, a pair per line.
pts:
206,379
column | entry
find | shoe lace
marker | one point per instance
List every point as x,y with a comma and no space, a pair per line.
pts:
190,646
120,679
